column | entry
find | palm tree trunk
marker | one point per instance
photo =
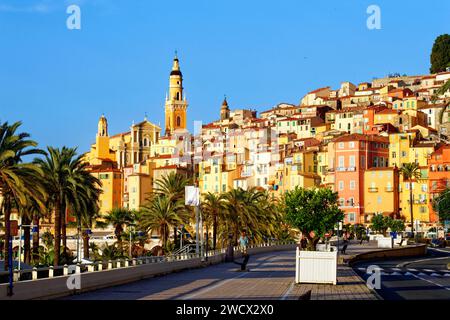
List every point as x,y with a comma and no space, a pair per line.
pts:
57,247
36,238
175,235
411,209
63,227
7,214
85,245
214,232
27,241
118,233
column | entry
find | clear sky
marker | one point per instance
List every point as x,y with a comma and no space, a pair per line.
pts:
259,53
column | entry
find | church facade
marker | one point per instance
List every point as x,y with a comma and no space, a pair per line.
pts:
130,162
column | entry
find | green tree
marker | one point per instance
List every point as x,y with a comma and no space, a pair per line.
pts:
172,186
381,223
440,54
119,218
18,181
397,225
58,167
312,211
411,172
441,205
212,208
160,214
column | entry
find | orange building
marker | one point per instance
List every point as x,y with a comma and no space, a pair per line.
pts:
354,154
438,175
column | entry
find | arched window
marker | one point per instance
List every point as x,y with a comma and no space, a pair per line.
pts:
145,142
178,121
178,96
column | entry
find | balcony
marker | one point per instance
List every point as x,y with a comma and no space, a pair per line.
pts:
373,189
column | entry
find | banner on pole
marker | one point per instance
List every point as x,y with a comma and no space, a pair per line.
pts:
192,196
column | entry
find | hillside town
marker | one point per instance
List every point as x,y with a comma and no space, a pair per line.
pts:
353,139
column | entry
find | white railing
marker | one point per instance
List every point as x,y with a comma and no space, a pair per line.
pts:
51,272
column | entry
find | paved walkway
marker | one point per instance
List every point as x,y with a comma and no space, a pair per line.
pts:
271,277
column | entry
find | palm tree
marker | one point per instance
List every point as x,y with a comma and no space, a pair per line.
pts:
211,208
234,209
160,214
17,180
172,186
410,172
59,167
118,218
30,214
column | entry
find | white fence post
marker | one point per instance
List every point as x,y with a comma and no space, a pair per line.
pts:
51,272
110,265
65,270
34,274
100,266
16,275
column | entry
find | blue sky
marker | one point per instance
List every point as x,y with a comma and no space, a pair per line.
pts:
259,53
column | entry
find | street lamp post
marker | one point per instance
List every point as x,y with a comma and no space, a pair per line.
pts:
131,228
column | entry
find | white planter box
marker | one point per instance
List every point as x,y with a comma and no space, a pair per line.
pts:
398,240
315,267
386,242
375,237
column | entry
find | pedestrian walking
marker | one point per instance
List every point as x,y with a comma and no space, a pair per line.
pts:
303,243
344,247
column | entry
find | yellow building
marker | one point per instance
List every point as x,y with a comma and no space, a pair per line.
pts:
386,116
420,197
176,104
381,192
140,187
112,186
126,148
399,148
216,175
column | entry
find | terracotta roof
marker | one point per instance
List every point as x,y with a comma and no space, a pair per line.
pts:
317,90
388,111
361,137
121,134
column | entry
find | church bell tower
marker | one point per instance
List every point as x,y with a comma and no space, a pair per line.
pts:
176,104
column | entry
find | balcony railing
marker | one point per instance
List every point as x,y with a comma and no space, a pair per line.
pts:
373,189
389,189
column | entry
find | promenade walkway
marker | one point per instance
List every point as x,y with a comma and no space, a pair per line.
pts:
271,277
